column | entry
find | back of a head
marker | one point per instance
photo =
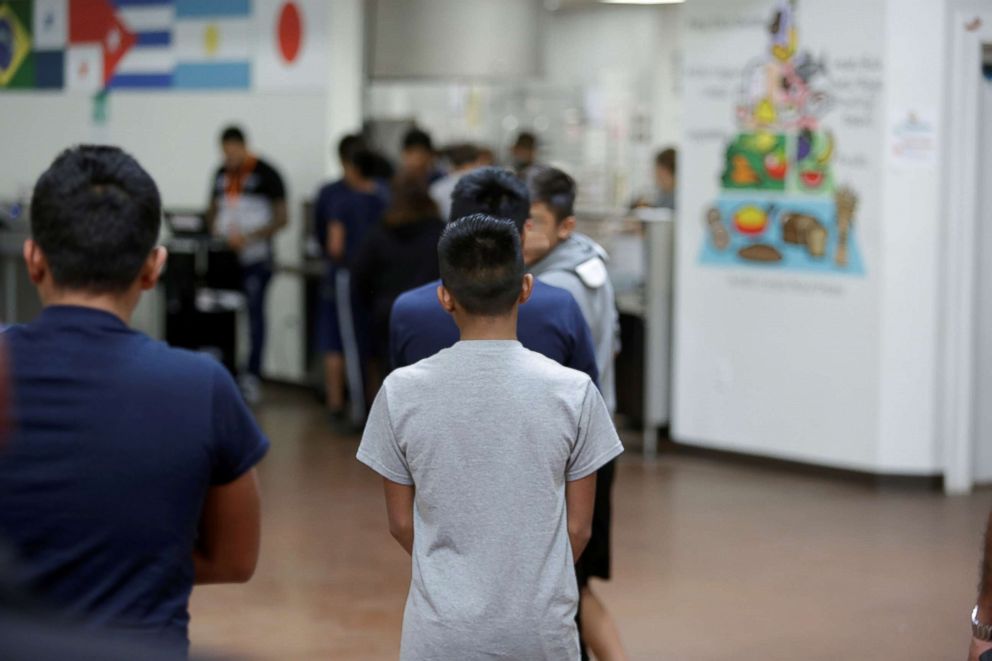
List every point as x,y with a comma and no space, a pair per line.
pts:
417,139
482,264
349,145
494,192
525,140
463,154
96,216
366,162
410,202
556,190
666,158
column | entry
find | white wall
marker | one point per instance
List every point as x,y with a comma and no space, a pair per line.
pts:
175,137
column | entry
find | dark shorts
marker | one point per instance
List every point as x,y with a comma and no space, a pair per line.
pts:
595,560
329,338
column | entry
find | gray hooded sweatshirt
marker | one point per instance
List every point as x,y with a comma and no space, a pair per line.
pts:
578,265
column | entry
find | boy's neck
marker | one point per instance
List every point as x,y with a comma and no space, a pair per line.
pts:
475,327
119,305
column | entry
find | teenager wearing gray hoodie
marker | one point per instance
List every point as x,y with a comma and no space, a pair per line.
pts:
559,256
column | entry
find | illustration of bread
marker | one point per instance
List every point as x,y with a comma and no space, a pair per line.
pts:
847,202
719,234
760,252
801,229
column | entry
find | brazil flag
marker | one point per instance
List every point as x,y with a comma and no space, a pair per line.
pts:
16,60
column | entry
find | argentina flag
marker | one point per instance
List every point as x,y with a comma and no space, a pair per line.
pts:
213,42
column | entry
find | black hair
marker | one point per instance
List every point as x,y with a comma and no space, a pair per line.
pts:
666,159
482,264
555,190
348,145
526,140
417,139
494,192
96,215
232,134
366,162
463,154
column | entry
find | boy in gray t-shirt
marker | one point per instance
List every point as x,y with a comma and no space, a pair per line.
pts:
489,453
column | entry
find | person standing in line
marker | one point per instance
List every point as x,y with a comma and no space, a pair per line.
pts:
551,323
399,253
488,454
558,255
523,154
345,212
464,158
129,476
417,157
247,209
663,196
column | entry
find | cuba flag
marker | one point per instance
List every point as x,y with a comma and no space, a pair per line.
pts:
150,61
213,40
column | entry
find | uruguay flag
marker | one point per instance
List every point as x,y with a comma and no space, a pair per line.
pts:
213,44
150,62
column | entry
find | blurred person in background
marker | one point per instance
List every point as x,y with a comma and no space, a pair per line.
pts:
486,157
463,158
558,255
247,208
417,157
400,253
981,615
129,476
345,211
523,155
663,195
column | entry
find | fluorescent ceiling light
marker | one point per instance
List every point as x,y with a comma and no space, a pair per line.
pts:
642,2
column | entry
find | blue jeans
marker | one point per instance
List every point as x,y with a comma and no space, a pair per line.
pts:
256,281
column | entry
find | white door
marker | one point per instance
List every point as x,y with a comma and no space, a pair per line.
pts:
983,288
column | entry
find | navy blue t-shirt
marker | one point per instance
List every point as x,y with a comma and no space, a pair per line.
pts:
550,323
358,211
116,439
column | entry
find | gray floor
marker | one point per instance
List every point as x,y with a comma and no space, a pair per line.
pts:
713,561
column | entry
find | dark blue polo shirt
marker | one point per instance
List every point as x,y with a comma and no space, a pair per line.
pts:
550,323
116,439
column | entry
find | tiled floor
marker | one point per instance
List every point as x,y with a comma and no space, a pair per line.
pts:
713,561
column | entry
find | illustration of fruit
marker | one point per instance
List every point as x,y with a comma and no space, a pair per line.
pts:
721,239
764,142
764,112
811,178
775,166
826,153
741,172
750,220
805,144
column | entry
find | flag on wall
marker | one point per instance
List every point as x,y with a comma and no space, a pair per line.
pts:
16,63
291,51
98,41
213,44
149,64
51,31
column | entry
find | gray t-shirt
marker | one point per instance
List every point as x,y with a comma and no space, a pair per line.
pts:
489,433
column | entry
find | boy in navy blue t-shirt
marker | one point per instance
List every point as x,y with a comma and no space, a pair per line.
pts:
551,323
129,475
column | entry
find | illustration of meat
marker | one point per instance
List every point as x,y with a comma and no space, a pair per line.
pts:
719,234
801,229
847,202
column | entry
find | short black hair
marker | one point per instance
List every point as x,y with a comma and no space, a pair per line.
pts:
463,154
482,264
232,134
555,190
366,162
96,215
526,140
666,158
417,139
492,191
348,145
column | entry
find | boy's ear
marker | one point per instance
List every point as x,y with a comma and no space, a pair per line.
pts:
446,300
35,261
566,227
153,268
526,288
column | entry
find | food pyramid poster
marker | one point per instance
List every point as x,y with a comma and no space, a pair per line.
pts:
779,205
